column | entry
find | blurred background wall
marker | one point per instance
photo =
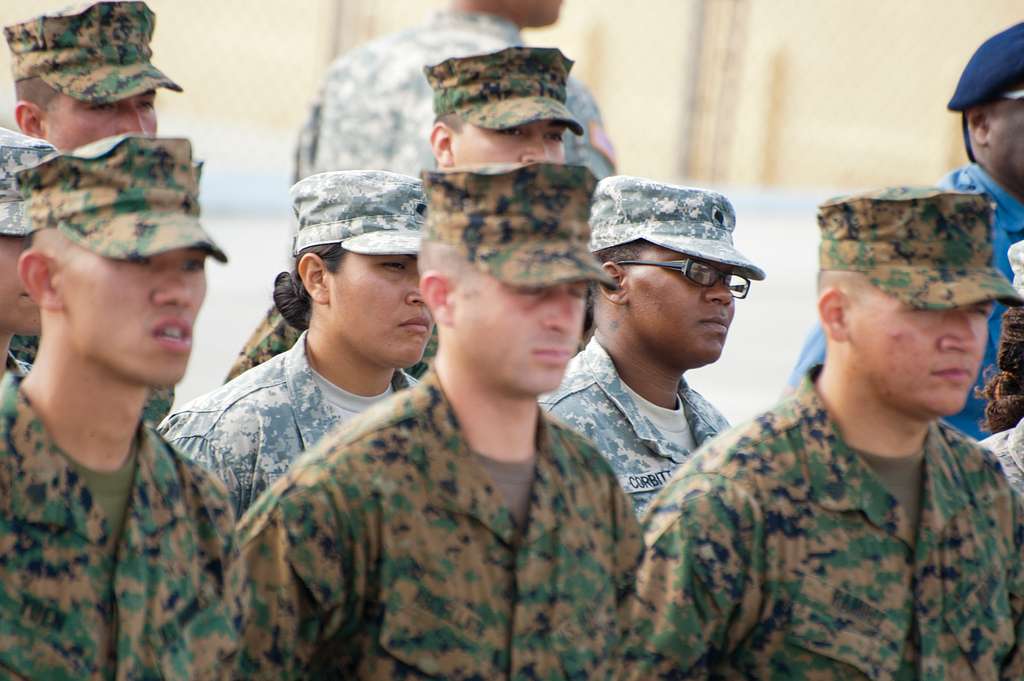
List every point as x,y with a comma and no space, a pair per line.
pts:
778,103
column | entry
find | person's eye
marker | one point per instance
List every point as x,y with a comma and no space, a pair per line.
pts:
197,264
395,266
101,107
556,136
511,132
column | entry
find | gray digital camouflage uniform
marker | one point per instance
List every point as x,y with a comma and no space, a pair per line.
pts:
251,430
594,401
375,109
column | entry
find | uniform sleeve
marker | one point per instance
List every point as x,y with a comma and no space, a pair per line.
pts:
1014,666
699,584
306,583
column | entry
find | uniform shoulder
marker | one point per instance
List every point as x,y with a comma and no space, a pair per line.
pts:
204,496
247,395
972,456
581,452
577,386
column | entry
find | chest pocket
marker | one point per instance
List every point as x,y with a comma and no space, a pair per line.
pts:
857,639
449,647
983,625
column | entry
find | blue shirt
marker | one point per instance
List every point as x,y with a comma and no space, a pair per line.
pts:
1007,230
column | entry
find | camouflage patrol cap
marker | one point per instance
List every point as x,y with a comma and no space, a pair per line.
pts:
371,212
927,247
526,226
127,197
17,152
687,220
98,53
505,89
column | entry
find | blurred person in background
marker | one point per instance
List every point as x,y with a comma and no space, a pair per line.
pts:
990,97
503,107
354,292
670,251
81,75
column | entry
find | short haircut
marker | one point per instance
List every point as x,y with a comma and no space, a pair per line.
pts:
34,90
452,120
631,250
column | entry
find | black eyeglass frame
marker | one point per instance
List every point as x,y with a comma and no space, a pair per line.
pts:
685,266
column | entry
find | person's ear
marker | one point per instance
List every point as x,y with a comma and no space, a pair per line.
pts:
979,125
30,118
437,291
834,313
313,272
41,277
618,296
441,140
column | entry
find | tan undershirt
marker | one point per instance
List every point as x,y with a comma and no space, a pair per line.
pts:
515,480
902,477
111,490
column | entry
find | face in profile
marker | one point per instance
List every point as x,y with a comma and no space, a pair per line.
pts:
68,123
375,311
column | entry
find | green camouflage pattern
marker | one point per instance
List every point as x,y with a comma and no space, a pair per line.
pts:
776,553
388,553
595,401
164,603
250,431
127,197
17,152
686,220
526,226
505,89
98,54
928,247
371,212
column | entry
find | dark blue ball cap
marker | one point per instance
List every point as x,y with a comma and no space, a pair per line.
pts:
998,64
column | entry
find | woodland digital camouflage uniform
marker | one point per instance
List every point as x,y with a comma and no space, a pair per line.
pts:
592,398
251,430
164,601
388,552
97,54
777,553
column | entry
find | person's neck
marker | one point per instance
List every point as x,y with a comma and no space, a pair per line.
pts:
479,7
5,343
90,415
657,384
348,370
865,424
500,428
1008,187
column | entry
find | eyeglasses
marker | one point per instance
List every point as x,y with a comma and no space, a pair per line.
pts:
701,274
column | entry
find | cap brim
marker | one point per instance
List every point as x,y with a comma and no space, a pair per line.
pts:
110,83
384,242
14,219
533,265
142,235
710,250
926,288
513,112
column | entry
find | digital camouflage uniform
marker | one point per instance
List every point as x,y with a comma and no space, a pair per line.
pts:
777,553
251,430
164,601
98,54
508,88
388,552
17,152
593,398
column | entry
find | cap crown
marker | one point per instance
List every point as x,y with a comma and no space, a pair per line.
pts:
17,152
997,65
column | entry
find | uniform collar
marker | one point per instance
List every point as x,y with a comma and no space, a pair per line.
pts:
312,417
840,480
41,487
598,363
475,22
463,486
1011,210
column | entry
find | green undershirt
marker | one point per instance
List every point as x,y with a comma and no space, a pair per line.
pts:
111,490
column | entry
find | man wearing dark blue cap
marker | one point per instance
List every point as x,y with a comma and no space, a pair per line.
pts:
990,95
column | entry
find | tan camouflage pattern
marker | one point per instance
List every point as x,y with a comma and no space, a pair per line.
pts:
250,431
927,247
505,89
687,220
526,226
17,152
371,212
597,404
776,553
127,197
164,603
388,553
99,53
375,108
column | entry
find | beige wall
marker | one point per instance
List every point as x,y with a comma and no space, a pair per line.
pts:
788,93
